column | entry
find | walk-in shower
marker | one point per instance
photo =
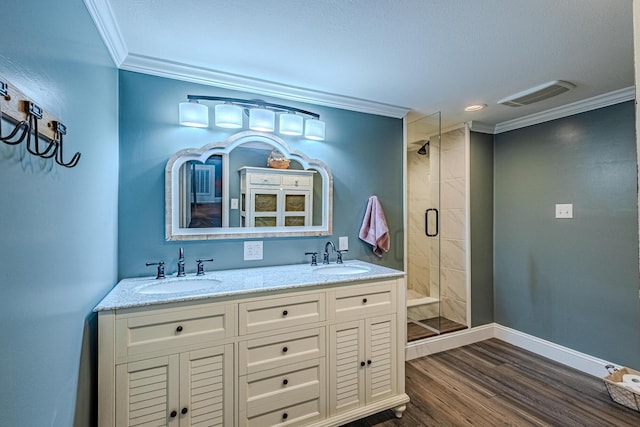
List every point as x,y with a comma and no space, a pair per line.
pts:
435,223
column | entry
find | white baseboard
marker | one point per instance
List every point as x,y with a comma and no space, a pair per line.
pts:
448,341
575,359
572,358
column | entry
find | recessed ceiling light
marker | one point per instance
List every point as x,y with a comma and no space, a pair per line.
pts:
475,107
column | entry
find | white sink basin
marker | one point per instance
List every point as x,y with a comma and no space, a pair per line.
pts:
340,269
174,286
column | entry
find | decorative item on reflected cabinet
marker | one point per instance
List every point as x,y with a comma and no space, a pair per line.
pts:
27,130
277,160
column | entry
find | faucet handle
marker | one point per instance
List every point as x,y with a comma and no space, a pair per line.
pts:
314,257
201,266
160,265
340,252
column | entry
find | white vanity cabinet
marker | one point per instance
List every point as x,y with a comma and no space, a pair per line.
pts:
167,366
276,197
363,351
321,355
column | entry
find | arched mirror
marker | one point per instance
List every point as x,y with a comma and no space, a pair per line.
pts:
251,185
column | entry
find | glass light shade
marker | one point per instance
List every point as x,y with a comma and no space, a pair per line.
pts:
262,119
194,114
228,116
291,124
314,129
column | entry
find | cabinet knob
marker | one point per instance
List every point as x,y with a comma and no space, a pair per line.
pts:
285,349
284,313
173,414
184,411
368,362
179,329
361,363
285,381
285,416
364,300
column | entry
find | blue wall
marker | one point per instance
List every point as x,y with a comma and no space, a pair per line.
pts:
58,228
573,282
363,151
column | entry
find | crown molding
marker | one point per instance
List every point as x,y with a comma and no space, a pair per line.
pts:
205,76
600,101
480,127
105,22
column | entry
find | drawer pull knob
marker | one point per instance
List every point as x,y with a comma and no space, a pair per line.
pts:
285,381
173,414
368,362
285,349
184,411
179,329
364,300
284,313
361,363
285,416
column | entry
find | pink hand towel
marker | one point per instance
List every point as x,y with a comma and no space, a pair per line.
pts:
374,227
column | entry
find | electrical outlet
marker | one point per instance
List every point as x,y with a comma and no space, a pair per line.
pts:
253,250
564,210
343,243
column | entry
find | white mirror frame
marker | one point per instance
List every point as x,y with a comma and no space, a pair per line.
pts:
173,231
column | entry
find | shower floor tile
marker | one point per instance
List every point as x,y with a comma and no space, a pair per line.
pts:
416,332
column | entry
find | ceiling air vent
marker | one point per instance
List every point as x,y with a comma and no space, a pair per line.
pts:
538,93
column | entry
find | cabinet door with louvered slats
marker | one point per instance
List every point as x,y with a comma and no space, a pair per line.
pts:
206,387
346,369
381,361
146,392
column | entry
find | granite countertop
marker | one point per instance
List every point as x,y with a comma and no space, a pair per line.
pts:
126,293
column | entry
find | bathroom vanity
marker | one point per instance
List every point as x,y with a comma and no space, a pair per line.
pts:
294,345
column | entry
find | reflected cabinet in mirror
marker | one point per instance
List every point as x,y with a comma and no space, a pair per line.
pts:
251,185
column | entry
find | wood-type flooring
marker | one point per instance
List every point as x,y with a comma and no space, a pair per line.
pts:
492,383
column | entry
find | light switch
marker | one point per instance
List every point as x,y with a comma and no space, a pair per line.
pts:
564,210
343,243
253,250
234,203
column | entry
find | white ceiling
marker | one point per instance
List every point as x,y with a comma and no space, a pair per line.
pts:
381,56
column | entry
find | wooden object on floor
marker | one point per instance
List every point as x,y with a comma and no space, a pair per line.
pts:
493,383
416,332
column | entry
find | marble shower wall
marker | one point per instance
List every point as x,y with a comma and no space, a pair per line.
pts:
418,200
453,216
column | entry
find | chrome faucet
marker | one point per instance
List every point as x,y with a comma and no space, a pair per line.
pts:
325,258
181,264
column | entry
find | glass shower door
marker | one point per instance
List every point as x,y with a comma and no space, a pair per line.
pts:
424,310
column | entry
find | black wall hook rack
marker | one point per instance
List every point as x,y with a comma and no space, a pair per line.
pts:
44,141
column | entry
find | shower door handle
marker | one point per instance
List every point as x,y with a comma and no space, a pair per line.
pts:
426,222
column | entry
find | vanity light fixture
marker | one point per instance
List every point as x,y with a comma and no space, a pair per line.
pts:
194,114
291,124
229,114
314,129
261,119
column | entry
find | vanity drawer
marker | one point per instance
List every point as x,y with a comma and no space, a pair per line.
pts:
299,414
363,300
267,390
267,315
296,181
264,179
166,328
281,350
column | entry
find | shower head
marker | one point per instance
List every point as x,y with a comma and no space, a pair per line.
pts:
424,149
